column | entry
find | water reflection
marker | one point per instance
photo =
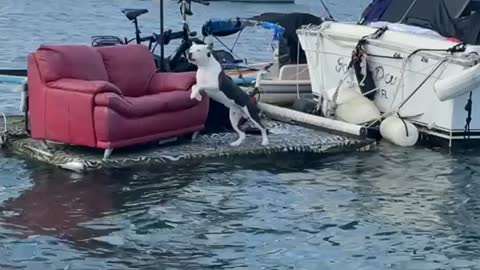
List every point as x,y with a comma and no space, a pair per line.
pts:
58,202
368,210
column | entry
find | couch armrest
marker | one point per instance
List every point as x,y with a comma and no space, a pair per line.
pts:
87,87
170,81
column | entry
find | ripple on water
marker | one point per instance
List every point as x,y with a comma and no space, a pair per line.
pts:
348,212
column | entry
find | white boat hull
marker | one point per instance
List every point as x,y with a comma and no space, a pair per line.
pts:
329,48
290,83
281,92
279,87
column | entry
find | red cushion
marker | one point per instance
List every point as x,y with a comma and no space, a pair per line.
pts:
170,81
146,105
70,61
129,67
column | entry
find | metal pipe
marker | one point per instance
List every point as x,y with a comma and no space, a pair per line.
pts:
162,47
288,115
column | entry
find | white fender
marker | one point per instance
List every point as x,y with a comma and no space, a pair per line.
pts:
398,131
353,107
459,84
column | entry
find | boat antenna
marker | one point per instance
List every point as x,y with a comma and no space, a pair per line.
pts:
328,11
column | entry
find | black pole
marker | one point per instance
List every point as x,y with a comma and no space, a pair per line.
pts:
327,10
162,52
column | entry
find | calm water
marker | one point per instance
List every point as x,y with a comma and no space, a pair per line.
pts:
395,208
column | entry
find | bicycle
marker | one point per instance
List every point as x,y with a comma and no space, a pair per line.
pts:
176,62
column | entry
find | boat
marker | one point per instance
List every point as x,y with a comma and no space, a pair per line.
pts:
417,60
283,80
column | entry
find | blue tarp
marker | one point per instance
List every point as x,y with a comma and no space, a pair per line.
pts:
224,27
277,29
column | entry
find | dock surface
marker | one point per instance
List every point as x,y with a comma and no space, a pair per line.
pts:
284,138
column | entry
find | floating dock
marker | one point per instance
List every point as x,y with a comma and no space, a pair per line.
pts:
284,138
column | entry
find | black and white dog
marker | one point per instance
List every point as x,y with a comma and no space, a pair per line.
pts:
212,80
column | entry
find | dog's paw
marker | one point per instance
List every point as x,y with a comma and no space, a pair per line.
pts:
198,97
265,142
236,143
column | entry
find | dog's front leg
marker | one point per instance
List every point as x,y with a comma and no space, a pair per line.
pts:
196,93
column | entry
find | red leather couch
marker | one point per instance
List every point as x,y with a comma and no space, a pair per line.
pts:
108,97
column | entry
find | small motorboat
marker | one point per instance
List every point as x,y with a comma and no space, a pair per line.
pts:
417,60
283,80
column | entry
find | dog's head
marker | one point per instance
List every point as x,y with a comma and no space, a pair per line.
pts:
200,54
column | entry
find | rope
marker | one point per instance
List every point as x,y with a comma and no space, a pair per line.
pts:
393,111
404,124
468,108
457,48
331,112
355,56
423,82
298,62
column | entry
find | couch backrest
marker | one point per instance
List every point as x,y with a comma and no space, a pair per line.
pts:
70,61
129,67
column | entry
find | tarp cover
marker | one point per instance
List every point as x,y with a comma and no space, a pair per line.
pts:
222,27
450,18
375,10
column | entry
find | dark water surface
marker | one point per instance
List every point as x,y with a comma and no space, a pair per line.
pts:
396,208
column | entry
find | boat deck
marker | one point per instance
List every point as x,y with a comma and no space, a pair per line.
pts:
284,138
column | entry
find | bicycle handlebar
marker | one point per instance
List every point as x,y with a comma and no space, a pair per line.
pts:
169,36
176,35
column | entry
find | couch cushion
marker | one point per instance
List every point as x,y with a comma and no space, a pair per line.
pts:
146,105
70,61
129,67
